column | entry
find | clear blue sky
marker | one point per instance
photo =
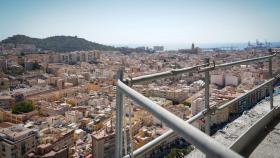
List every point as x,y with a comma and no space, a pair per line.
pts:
144,21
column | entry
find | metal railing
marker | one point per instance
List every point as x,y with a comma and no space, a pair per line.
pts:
194,136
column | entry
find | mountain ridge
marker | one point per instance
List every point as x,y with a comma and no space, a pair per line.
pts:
58,43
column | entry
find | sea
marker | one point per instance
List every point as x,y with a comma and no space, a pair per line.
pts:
200,45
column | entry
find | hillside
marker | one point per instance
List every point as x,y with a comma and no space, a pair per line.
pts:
58,43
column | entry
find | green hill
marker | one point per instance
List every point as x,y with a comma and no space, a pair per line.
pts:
58,43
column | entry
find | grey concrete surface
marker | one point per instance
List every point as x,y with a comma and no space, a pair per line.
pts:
233,130
269,147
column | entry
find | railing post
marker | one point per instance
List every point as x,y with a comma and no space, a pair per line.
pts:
119,119
207,93
193,135
271,84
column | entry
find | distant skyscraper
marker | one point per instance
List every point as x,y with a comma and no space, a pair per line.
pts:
192,46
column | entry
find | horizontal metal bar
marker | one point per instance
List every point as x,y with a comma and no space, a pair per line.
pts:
189,69
171,133
193,135
231,102
162,74
244,61
159,140
211,68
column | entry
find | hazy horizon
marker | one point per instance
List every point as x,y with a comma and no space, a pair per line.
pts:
144,22
176,46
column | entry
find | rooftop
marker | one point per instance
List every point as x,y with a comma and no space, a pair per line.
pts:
5,124
101,134
15,132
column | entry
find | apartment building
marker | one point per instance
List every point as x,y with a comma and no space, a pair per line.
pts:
16,141
103,143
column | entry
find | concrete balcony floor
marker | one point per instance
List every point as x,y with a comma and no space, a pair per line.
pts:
230,133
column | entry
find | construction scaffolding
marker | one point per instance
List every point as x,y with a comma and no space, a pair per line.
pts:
178,126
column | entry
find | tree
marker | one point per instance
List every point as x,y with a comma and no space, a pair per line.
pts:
187,103
15,71
23,107
178,153
71,102
22,54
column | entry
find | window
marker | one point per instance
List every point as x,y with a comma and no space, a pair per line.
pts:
23,148
3,148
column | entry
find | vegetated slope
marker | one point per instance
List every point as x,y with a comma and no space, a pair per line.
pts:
58,43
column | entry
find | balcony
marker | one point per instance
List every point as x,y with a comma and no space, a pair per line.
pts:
202,141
